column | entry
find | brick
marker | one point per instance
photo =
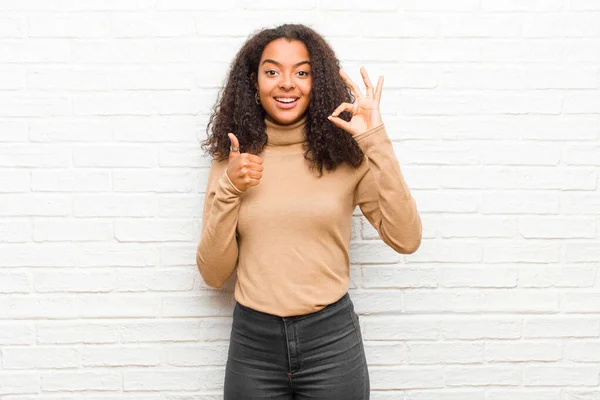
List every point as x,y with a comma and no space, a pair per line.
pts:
454,394
14,282
160,24
76,332
485,276
442,153
73,281
530,252
180,205
14,181
38,255
526,5
525,202
524,394
580,155
53,230
11,79
19,383
39,156
117,255
15,231
143,279
448,251
582,351
580,302
161,181
445,353
561,375
477,226
404,377
490,25
17,333
208,304
560,327
111,356
446,201
33,307
117,205
12,26
557,276
399,328
70,181
483,376
153,230
55,381
548,227
202,354
208,378
117,306
523,351
385,353
40,358
36,51
478,327
80,25
114,156
70,79
582,252
398,276
163,129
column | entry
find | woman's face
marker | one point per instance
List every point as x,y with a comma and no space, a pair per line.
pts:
284,80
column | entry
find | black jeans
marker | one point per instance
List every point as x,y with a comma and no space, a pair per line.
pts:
317,356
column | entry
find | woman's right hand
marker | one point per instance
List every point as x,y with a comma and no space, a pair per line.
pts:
245,169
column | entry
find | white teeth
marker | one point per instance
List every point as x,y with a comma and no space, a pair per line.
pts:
286,99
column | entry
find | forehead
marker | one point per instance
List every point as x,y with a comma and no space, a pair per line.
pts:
285,51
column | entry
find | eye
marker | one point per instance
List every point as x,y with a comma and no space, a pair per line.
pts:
303,73
270,72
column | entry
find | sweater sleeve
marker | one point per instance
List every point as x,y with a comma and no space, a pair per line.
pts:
383,196
217,252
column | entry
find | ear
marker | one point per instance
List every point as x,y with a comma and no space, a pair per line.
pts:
254,80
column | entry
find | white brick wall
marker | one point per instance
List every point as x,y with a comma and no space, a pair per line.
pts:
494,109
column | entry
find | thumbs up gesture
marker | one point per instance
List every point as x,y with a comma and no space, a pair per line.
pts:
244,170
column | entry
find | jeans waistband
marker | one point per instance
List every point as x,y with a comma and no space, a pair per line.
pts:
343,300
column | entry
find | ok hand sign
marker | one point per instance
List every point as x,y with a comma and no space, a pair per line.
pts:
365,109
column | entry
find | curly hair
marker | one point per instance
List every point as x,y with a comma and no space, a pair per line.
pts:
235,110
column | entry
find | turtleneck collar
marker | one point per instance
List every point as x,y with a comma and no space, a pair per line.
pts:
283,135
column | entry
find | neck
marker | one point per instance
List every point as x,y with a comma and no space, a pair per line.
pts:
283,135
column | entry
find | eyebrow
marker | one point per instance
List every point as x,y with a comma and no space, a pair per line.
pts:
278,63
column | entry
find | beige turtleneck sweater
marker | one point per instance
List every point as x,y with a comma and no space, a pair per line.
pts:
289,236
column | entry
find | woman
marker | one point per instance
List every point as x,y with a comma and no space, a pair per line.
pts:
293,156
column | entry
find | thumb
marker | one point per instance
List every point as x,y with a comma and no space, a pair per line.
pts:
234,144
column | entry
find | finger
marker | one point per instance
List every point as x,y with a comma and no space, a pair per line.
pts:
235,144
343,107
254,174
253,158
368,84
252,181
379,88
355,90
256,167
246,165
340,123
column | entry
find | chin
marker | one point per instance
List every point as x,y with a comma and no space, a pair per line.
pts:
285,119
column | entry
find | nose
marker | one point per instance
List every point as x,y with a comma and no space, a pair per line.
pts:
287,83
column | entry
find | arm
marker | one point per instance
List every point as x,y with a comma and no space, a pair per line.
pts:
383,196
217,251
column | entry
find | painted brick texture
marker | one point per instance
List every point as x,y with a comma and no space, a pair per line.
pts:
494,110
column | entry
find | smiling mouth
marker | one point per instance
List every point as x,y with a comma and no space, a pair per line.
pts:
286,100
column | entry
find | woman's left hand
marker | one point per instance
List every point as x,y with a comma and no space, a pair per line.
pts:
364,110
